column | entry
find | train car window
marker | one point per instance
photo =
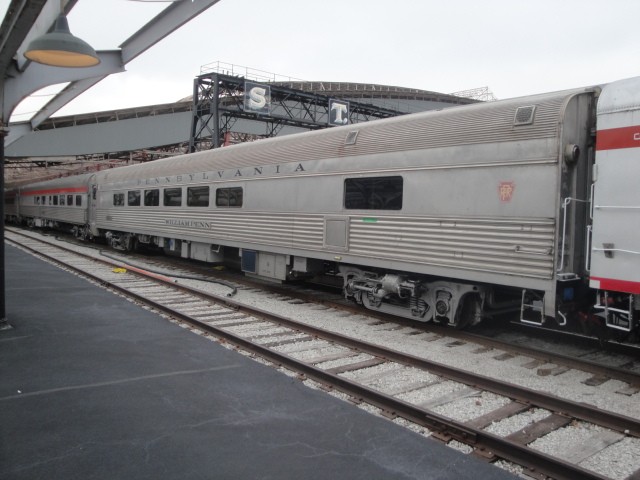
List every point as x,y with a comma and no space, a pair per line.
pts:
118,199
49,201
69,200
133,198
151,198
62,200
36,199
172,197
198,196
229,197
44,200
55,199
373,193
78,200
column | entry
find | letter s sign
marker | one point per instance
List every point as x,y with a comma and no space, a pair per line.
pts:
257,98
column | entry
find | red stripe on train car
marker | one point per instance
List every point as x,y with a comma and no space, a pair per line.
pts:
616,285
615,138
55,191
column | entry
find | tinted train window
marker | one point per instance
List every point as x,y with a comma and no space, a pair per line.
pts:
198,196
151,198
55,199
69,199
78,200
229,197
133,198
62,200
374,193
172,197
118,199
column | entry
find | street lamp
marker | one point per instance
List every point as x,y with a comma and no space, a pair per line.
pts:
61,49
4,323
58,49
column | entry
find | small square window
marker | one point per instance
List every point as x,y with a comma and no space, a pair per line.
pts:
229,197
198,196
172,197
133,198
151,198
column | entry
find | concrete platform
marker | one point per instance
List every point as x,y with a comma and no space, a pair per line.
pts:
95,387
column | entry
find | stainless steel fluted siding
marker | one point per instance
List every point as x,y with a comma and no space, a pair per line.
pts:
283,230
287,230
486,245
489,245
75,215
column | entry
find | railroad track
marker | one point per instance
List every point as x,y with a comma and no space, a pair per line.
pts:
606,359
400,385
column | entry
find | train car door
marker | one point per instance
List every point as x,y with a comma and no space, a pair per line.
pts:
615,245
92,205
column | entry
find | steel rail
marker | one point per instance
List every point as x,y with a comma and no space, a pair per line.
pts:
582,411
582,364
611,372
596,368
554,357
621,423
491,444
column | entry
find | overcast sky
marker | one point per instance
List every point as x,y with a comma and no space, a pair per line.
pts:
514,47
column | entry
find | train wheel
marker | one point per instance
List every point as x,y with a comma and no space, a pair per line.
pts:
469,310
131,244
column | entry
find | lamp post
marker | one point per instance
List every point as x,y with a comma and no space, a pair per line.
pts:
58,48
4,323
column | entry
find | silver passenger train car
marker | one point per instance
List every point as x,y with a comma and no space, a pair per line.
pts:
60,203
443,216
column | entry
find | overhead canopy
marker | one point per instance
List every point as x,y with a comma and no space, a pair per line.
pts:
25,21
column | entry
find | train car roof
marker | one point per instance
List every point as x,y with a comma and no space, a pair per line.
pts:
460,125
63,182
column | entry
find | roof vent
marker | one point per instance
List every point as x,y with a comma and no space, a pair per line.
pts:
524,115
351,138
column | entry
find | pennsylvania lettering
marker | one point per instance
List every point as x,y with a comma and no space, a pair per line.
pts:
246,172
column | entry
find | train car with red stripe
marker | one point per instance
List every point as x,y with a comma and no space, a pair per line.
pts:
11,205
60,203
529,205
614,270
